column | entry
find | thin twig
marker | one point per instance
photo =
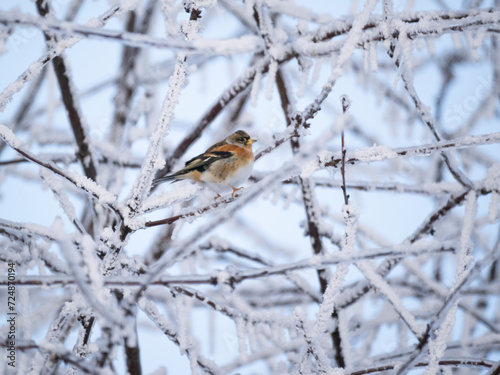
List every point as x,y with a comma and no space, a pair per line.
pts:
465,362
88,186
239,276
310,207
221,202
447,303
345,106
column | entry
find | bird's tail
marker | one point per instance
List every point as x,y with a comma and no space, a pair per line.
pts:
172,177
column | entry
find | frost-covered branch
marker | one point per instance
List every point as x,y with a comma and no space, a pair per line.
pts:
317,262
83,183
36,68
445,307
365,241
247,43
68,96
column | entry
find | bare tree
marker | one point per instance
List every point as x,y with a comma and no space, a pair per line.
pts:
389,266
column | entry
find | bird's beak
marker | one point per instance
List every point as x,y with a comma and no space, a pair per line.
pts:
252,141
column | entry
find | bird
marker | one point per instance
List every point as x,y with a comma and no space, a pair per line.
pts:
226,164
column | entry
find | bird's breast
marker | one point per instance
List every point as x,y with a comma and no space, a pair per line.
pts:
228,172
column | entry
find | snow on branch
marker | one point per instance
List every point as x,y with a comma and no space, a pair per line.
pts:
93,189
154,160
366,232
36,67
245,43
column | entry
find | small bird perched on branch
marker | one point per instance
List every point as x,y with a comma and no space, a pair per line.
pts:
226,164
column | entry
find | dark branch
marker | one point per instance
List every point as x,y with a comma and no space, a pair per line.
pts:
69,100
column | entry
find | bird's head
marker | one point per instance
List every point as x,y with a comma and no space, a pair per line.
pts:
240,138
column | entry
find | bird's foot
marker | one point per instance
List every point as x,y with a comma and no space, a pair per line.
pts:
217,197
235,190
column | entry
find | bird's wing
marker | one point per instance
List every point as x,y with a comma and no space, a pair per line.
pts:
203,161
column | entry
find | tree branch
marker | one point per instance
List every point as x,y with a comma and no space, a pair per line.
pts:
84,153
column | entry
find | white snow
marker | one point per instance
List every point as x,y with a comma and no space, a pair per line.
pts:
413,247
438,345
